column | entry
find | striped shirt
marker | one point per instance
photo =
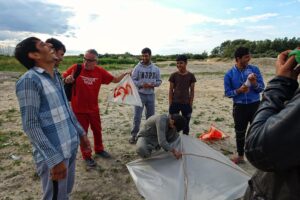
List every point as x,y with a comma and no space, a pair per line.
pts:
47,118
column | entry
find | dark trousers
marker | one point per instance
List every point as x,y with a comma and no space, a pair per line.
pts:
243,115
186,112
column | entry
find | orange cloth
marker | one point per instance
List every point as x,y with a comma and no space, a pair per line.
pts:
212,134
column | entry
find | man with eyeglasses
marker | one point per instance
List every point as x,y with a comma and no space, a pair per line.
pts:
84,100
243,83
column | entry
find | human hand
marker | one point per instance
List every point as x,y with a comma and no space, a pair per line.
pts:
148,85
177,154
286,66
85,142
243,89
69,79
58,172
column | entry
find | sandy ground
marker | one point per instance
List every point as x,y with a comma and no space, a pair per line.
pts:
111,179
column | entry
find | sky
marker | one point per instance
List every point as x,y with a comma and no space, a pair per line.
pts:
165,26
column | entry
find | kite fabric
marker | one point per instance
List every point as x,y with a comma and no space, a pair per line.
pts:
202,173
126,93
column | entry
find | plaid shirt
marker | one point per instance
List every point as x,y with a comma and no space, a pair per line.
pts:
47,117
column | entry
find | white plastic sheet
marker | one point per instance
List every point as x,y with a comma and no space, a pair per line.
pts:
126,93
202,174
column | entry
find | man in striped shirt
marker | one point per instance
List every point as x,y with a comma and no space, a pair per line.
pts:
47,118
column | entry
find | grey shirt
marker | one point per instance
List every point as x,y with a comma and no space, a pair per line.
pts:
146,74
157,128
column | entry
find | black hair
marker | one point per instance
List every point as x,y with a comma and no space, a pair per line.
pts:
92,51
146,50
179,121
57,45
22,50
240,52
182,58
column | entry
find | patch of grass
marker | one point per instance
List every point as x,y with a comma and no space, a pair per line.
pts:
197,135
17,162
128,179
210,73
29,198
200,114
226,152
9,63
25,148
9,115
214,98
12,110
15,133
196,122
219,119
165,76
231,125
35,176
160,65
3,140
13,174
6,138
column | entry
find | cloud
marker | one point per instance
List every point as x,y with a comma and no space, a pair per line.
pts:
250,19
231,10
248,8
287,3
33,16
118,26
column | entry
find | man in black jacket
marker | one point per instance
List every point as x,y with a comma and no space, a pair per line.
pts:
273,140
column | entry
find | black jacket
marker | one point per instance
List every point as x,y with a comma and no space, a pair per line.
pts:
273,142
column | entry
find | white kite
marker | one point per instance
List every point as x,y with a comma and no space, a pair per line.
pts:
126,93
202,174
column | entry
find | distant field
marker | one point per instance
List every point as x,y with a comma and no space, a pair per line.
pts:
9,63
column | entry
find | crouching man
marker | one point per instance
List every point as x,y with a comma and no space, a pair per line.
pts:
160,131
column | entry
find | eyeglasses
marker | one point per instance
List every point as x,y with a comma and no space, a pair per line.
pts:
89,60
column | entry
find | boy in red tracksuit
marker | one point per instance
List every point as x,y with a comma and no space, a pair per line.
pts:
84,100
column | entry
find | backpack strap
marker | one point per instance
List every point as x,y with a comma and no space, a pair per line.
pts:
78,70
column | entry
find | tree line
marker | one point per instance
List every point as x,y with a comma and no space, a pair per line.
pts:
261,48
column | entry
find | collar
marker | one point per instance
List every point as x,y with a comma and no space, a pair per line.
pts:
240,69
150,63
38,69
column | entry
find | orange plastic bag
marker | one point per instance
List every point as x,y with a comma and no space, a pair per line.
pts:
213,134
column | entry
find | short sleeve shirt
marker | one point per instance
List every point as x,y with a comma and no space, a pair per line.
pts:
182,84
87,87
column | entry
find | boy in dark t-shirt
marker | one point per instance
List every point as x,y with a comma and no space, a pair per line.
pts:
181,91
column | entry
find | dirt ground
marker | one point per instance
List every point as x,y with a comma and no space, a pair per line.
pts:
111,179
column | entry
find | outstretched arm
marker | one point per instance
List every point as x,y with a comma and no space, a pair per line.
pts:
119,78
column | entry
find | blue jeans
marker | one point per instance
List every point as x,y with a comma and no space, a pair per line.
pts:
148,101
